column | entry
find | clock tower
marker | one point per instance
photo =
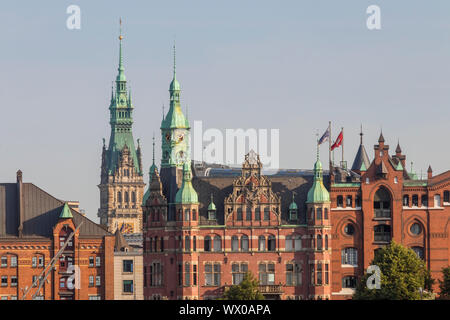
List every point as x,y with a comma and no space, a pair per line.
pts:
175,136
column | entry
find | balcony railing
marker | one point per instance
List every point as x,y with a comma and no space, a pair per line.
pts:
382,237
273,288
382,213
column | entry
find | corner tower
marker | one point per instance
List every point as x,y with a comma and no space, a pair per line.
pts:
121,186
175,145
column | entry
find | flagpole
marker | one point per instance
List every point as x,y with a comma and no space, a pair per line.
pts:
329,145
342,145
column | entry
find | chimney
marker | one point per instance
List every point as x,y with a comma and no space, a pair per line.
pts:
430,172
20,202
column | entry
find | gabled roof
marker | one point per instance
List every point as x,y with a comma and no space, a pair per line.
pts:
41,213
120,243
65,213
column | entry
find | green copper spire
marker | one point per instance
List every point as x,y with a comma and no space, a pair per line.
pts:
175,117
66,213
121,119
212,206
318,193
186,194
293,205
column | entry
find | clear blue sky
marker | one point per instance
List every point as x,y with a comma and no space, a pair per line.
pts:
291,65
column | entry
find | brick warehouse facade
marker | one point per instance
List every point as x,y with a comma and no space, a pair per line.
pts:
33,226
302,240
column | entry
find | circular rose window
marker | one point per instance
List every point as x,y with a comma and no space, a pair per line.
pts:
415,228
349,229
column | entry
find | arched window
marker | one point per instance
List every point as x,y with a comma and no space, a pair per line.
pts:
207,244
418,251
194,243
133,197
257,213
424,200
239,214
234,243
349,256
217,243
437,200
382,203
187,243
406,200
194,215
349,202
319,213
244,243
358,202
150,244
126,197
446,196
288,244
382,233
297,243
325,215
415,200
119,196
340,201
186,214
266,214
262,243
248,213
271,244
319,242
349,282
162,244
326,242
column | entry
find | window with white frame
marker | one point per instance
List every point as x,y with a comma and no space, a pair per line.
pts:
4,262
238,271
266,273
212,274
293,274
349,256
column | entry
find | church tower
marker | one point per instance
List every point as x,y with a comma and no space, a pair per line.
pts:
175,136
122,185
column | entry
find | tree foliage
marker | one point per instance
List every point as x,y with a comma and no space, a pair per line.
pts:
444,284
246,290
403,276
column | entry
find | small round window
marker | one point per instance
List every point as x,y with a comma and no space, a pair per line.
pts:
349,229
415,228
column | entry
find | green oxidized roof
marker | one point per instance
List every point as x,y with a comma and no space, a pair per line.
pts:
293,205
121,121
363,167
186,194
318,193
66,213
399,166
212,206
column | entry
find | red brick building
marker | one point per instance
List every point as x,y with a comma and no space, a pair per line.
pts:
299,239
33,227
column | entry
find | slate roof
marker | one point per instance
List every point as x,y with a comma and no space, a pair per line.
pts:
40,213
361,158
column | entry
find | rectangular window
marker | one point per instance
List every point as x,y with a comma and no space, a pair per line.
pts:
97,261
217,274
319,273
97,297
208,275
127,286
180,274
288,246
248,214
127,266
266,214
91,262
40,261
4,261
91,281
13,261
194,274
267,274
298,243
13,297
257,214
4,281
326,273
187,274
212,274
33,281
34,262
289,274
13,281
97,281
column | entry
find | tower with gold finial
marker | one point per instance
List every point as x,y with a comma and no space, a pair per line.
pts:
121,183
175,145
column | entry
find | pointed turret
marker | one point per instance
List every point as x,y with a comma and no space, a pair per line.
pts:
318,193
398,150
186,194
430,172
381,138
65,212
152,174
361,158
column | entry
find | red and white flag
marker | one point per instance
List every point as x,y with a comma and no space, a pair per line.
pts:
338,141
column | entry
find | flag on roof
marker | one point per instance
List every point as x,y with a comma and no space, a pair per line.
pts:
325,136
338,141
